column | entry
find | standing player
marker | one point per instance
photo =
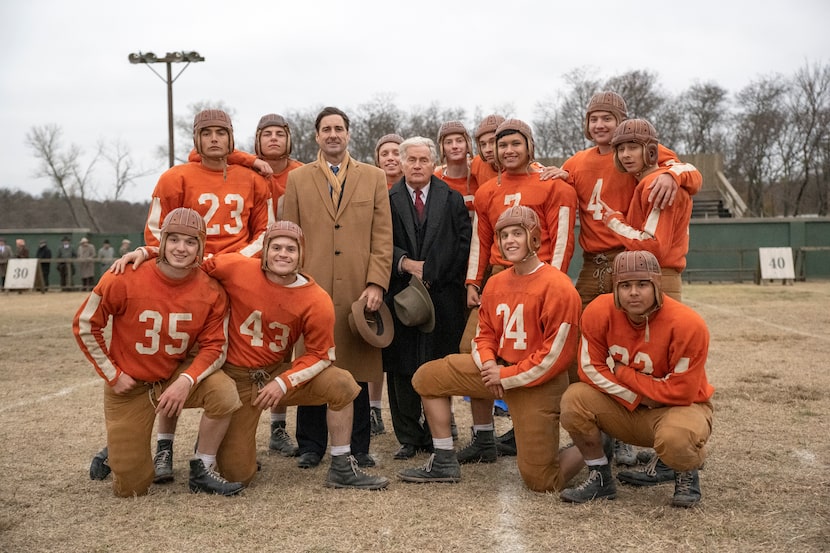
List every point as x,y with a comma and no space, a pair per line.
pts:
388,157
234,201
455,149
526,339
655,395
485,166
662,231
159,314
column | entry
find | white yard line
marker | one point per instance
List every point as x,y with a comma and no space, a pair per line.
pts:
60,393
37,330
735,313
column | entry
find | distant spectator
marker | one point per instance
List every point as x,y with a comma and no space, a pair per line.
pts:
86,265
66,265
106,255
22,249
45,256
125,247
5,254
22,253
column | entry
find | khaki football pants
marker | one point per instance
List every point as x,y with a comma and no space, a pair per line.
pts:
534,410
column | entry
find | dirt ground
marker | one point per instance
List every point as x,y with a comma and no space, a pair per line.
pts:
765,484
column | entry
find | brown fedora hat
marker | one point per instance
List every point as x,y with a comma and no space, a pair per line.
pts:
375,327
413,306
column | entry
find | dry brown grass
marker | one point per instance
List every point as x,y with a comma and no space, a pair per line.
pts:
765,484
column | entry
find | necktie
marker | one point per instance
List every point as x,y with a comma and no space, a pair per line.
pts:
419,205
335,187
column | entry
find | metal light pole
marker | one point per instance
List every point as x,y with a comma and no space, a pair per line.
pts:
169,59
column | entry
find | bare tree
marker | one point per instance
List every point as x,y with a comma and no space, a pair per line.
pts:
63,168
703,110
560,121
809,109
641,91
758,125
369,122
119,158
426,121
303,132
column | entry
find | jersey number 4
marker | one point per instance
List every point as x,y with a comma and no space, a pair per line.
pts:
514,325
252,326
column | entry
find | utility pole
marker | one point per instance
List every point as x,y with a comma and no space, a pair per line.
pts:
169,60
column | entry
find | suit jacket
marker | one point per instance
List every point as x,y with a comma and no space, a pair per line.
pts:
443,243
346,249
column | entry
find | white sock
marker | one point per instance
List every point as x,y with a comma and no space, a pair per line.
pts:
443,443
208,460
479,427
375,404
165,437
597,462
278,417
337,450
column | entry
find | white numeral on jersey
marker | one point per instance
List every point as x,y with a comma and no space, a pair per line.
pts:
252,326
213,206
514,325
642,361
154,333
513,199
595,203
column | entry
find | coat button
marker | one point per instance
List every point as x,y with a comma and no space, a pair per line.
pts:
336,252
337,226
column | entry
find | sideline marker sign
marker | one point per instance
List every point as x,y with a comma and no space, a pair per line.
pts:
775,263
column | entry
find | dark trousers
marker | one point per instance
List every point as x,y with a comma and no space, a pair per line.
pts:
405,405
313,432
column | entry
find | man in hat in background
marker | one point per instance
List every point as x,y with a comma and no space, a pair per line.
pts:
431,235
124,249
343,207
66,265
86,264
44,254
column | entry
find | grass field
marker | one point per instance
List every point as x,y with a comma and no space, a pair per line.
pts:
765,485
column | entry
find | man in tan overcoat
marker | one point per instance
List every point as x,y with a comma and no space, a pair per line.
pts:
343,207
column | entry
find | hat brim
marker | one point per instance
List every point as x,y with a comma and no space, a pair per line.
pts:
362,327
422,291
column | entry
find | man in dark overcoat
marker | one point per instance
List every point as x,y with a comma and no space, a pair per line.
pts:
431,235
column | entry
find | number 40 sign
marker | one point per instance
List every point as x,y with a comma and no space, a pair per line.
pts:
776,263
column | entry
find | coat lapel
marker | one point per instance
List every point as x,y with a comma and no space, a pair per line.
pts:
399,196
436,201
322,186
352,181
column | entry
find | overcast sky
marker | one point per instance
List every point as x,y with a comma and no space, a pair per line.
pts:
65,63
